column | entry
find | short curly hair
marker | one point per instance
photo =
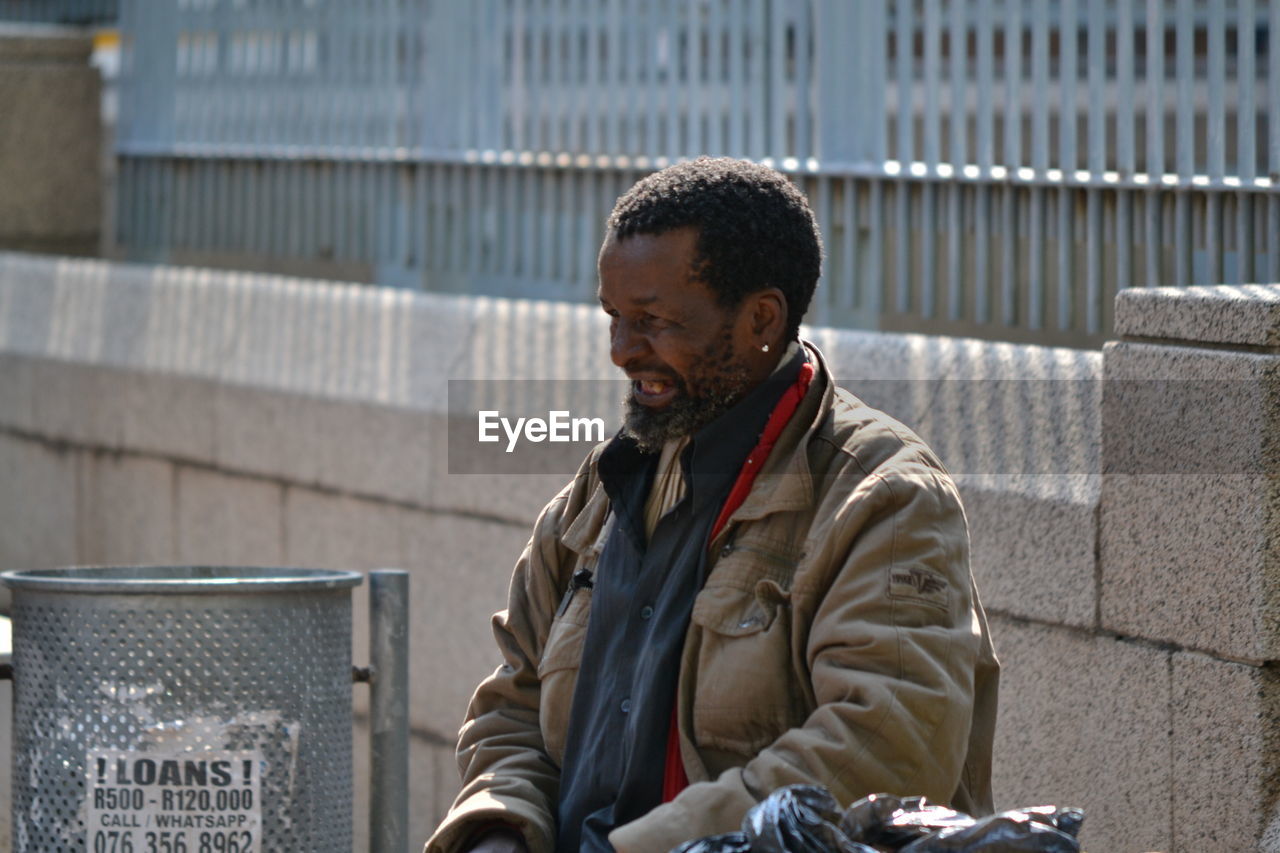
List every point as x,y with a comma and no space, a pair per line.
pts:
755,229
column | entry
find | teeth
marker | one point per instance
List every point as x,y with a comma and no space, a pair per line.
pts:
653,387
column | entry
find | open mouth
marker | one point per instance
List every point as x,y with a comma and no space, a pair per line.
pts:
653,392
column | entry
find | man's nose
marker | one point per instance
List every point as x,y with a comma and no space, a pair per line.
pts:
624,343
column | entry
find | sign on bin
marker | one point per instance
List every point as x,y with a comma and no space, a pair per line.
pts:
150,802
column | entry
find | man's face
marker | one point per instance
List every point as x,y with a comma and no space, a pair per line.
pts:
688,358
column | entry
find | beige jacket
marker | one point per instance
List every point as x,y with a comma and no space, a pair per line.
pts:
838,640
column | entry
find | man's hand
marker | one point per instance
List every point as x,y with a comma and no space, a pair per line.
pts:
501,839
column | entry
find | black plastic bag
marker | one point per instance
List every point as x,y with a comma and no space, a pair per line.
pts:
890,822
730,842
913,825
798,819
1063,818
1016,831
868,816
807,819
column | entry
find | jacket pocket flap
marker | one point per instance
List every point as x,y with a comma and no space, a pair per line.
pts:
733,613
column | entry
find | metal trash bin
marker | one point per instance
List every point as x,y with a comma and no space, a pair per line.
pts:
182,709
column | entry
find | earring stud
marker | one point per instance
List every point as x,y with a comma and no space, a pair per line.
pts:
764,348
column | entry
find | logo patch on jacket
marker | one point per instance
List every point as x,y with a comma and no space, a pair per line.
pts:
919,584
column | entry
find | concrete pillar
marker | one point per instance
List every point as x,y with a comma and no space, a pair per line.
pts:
1190,540
50,141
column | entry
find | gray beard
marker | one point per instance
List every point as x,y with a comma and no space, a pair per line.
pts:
685,415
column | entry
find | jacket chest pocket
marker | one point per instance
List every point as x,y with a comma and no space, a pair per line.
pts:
558,669
744,690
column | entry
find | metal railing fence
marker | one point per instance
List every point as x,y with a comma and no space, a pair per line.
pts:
989,167
71,12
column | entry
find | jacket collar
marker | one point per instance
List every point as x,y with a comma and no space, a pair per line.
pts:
786,483
586,534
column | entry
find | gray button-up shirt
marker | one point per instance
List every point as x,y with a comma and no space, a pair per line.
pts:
641,601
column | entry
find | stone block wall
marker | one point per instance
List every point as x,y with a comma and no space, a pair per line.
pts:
50,140
172,415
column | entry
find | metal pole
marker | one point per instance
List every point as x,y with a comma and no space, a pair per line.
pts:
389,710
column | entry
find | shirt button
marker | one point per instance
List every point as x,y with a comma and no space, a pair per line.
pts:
626,706
646,612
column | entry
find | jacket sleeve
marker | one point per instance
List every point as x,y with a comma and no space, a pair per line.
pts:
506,774
891,649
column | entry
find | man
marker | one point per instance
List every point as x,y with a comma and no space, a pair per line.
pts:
759,582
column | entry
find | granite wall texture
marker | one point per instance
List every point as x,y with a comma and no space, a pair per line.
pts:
165,414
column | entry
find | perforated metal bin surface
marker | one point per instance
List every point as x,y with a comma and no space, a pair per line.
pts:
186,660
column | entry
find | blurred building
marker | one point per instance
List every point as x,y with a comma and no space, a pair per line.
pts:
998,168
77,13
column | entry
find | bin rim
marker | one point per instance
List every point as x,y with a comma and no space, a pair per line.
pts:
178,580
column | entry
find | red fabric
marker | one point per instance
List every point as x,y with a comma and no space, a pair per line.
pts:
674,779
756,458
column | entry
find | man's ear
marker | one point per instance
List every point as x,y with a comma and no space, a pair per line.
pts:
768,315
